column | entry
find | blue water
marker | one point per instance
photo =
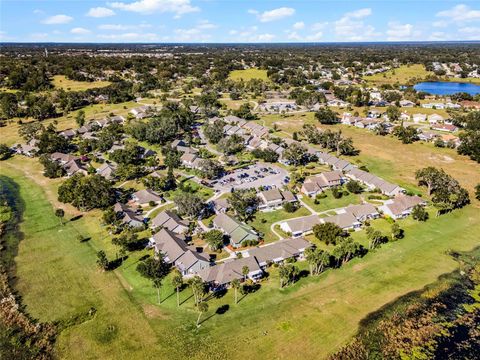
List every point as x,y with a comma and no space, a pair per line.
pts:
447,88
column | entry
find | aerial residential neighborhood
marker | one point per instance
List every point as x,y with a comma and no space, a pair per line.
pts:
292,181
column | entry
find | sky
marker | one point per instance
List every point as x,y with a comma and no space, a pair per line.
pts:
229,21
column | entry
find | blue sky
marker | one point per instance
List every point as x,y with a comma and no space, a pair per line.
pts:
237,20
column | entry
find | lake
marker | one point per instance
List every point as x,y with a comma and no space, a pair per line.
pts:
447,88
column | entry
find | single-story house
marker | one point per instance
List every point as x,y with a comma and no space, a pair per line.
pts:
176,252
435,118
300,226
171,221
316,184
144,197
280,251
236,230
75,166
128,215
401,206
220,276
188,159
274,199
62,158
220,205
419,118
444,127
107,170
346,221
362,212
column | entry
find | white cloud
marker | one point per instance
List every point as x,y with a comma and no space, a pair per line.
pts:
122,27
351,27
273,15
299,25
359,14
264,38
80,31
38,12
100,12
178,7
206,25
470,33
57,19
460,13
401,32
250,34
131,36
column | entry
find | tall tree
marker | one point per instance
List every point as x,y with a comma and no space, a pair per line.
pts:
177,283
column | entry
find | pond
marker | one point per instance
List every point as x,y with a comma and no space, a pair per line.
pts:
447,88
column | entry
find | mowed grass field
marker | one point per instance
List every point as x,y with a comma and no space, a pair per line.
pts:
386,156
61,82
403,75
57,278
248,74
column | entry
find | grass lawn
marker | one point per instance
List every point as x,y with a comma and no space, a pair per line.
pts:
61,82
405,74
194,187
331,203
387,157
9,133
248,74
57,278
263,220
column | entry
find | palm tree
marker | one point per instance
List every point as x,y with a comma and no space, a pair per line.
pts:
198,288
177,282
236,285
245,271
202,307
324,260
157,284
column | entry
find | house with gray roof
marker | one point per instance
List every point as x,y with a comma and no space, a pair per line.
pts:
219,276
300,226
144,197
107,170
316,184
236,230
401,206
362,212
171,221
346,221
278,252
176,252
274,199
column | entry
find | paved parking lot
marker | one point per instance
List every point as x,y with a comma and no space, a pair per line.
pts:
257,175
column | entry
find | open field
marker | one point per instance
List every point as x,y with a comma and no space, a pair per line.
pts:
9,133
61,82
312,318
248,74
403,75
386,156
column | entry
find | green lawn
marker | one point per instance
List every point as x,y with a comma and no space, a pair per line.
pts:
9,133
61,82
57,278
263,220
405,74
331,203
248,74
